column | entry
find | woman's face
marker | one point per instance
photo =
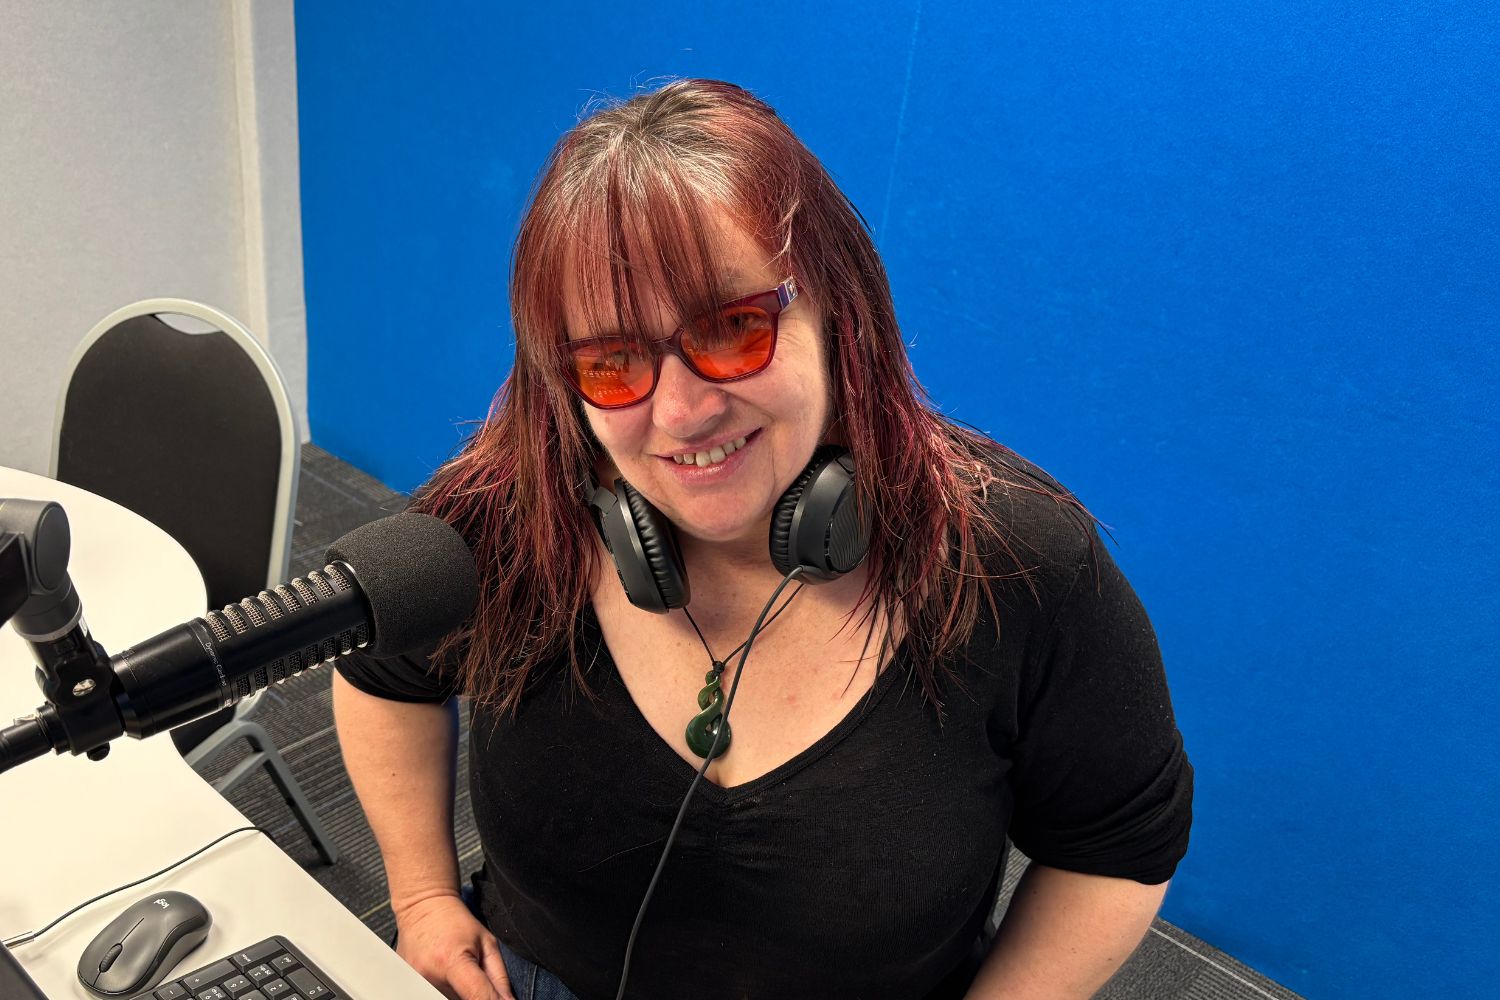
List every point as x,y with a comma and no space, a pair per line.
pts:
780,415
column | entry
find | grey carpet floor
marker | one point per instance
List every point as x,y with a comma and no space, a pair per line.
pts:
334,498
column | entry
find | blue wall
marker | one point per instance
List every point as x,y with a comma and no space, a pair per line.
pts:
1234,269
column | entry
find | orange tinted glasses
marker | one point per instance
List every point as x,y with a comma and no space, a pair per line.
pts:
735,341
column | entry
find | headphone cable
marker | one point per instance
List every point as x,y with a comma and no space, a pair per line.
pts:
742,645
718,735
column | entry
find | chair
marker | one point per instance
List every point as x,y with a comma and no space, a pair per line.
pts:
188,424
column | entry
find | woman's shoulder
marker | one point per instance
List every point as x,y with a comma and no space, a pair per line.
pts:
1032,522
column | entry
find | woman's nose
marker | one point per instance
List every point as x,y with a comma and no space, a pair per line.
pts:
685,405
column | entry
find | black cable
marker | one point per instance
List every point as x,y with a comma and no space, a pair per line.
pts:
682,810
742,645
33,935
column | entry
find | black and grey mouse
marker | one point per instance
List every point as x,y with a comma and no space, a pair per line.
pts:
143,944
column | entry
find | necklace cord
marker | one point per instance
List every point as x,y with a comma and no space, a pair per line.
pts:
710,652
718,735
703,731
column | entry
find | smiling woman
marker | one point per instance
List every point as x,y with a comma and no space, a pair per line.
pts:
708,357
763,382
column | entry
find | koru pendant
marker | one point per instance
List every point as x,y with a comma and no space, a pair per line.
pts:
705,725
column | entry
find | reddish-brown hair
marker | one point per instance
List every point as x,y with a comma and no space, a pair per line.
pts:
627,196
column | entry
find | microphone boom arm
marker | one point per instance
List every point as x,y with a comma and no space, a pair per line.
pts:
161,682
72,669
393,585
194,670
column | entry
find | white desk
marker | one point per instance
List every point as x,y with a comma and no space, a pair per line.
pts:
71,828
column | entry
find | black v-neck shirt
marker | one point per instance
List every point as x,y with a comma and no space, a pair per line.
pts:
865,866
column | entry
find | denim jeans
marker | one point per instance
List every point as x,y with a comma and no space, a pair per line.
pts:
529,981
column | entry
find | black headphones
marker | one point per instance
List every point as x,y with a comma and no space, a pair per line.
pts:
815,525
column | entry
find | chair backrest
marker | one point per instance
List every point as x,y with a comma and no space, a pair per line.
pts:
193,431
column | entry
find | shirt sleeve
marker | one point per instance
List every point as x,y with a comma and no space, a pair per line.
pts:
411,677
1101,780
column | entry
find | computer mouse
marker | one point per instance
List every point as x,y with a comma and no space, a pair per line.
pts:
143,944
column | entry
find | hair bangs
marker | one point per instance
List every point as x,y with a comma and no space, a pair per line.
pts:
643,254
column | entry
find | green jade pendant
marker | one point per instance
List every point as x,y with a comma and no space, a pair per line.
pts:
705,725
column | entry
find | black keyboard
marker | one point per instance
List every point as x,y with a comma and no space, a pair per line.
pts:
271,970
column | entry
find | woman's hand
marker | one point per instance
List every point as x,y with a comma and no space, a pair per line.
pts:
440,938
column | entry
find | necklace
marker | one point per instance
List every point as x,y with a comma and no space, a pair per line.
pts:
703,728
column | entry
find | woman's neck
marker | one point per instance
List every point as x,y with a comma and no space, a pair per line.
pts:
745,558
731,587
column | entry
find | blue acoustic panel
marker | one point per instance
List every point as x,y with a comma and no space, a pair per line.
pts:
1229,271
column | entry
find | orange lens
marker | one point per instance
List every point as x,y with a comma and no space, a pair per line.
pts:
733,342
736,341
611,374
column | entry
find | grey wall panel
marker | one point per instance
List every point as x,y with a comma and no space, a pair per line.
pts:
123,176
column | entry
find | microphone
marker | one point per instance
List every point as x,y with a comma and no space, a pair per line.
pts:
391,586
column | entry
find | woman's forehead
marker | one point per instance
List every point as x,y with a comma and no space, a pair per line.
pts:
596,295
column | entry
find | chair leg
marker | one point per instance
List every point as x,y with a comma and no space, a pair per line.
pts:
253,762
282,775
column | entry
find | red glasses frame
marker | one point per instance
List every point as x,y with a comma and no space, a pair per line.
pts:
773,302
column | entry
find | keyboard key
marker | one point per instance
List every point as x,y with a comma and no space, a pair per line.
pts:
271,970
307,984
256,954
213,975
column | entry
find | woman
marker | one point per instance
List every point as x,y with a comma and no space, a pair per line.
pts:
699,313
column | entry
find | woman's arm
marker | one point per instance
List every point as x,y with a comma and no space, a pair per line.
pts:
401,759
1064,935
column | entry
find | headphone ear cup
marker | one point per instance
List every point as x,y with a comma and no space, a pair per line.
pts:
658,550
816,523
781,525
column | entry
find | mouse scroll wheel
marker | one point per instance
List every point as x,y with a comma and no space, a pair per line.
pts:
109,957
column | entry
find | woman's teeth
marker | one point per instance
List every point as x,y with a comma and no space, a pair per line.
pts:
703,459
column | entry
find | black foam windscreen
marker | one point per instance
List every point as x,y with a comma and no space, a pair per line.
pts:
417,575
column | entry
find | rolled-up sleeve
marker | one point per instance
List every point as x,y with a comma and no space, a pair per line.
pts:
412,677
1101,780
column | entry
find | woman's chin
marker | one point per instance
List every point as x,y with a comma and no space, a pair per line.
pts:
724,530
